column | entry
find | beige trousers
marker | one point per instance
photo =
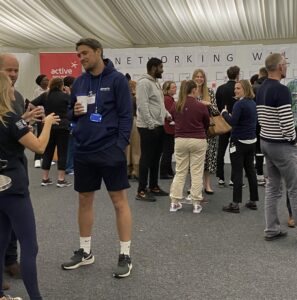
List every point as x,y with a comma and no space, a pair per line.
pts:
189,153
133,151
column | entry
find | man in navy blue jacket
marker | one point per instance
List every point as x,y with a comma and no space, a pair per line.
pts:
101,107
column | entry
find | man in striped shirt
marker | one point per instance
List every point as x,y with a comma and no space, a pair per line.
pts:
278,142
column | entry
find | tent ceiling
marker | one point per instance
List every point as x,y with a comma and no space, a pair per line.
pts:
35,24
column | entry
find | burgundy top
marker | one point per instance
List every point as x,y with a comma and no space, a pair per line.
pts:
193,121
168,101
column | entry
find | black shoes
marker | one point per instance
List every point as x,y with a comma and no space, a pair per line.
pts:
145,196
281,234
251,205
157,191
208,192
231,208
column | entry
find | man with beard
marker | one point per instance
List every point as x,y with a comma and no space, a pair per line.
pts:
151,114
101,108
278,142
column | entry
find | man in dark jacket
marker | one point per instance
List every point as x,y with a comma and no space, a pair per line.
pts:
101,107
225,97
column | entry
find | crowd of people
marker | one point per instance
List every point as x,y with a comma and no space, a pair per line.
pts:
91,120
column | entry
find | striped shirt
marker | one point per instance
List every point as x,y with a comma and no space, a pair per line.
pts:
274,112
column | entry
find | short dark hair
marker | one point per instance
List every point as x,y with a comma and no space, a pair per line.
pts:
254,78
153,62
39,78
92,43
233,72
68,80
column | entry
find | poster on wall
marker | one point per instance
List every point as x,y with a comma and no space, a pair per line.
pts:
59,65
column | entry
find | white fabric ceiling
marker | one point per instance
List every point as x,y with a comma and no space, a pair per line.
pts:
35,24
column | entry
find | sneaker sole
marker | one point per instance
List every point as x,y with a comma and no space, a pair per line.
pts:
63,185
83,263
174,210
46,184
123,275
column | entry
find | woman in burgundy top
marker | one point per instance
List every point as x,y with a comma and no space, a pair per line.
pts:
166,172
191,122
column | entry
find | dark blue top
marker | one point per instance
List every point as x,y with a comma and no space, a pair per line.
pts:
114,103
12,151
243,119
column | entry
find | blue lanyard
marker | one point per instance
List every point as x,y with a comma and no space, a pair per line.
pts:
97,93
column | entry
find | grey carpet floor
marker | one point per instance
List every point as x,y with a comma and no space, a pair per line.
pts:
212,255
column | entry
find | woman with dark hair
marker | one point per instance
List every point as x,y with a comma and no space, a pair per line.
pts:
16,212
166,172
243,145
42,82
191,123
56,100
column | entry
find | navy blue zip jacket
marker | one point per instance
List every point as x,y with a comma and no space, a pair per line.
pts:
113,100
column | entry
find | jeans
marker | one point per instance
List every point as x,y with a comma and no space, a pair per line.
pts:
281,165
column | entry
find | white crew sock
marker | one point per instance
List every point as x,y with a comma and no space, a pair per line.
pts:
85,243
125,247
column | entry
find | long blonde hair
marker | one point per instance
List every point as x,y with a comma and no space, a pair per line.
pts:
186,88
205,93
5,101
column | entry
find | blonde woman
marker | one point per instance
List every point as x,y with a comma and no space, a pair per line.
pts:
16,212
243,145
206,96
191,122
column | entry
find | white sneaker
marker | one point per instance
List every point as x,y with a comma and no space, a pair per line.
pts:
221,182
231,184
197,208
261,180
175,207
37,163
7,297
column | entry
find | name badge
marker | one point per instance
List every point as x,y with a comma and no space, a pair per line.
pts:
97,118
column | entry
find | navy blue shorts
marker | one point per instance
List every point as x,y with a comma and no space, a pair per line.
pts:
109,164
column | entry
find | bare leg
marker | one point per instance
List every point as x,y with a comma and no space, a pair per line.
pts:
45,174
207,182
123,214
85,213
61,175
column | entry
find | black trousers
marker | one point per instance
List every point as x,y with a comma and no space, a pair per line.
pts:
166,159
243,157
38,132
151,148
11,254
222,146
59,138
